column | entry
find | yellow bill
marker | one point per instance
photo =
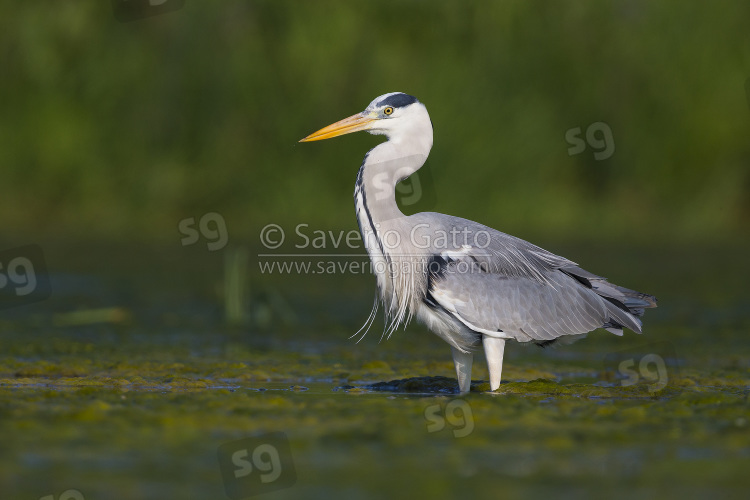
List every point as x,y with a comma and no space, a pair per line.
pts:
354,123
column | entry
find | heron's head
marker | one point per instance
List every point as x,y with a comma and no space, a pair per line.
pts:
395,115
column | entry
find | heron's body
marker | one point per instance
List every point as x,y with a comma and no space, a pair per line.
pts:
469,283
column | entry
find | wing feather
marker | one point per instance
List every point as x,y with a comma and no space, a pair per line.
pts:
511,288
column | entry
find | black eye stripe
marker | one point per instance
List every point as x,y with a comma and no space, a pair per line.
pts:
398,100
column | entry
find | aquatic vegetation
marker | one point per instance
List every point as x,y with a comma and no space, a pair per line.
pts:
126,414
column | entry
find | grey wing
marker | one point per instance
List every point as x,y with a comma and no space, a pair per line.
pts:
494,282
519,308
494,251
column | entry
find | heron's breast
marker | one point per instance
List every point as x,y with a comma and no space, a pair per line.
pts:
371,241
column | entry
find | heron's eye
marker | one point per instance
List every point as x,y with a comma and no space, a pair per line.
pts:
388,110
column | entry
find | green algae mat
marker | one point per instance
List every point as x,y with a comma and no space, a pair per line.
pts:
146,393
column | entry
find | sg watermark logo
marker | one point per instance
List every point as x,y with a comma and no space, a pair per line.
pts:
402,179
653,366
416,190
457,413
65,495
211,226
599,138
133,10
23,276
258,465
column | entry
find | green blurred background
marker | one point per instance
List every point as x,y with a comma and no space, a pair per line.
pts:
117,131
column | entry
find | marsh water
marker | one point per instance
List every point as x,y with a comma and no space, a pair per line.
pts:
131,381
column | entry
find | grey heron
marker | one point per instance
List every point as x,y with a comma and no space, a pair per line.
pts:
470,284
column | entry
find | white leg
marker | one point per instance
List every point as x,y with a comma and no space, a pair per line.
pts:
494,348
463,362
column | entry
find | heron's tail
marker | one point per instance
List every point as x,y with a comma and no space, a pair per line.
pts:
624,306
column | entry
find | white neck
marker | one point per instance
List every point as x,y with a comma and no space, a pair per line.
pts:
406,150
409,143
